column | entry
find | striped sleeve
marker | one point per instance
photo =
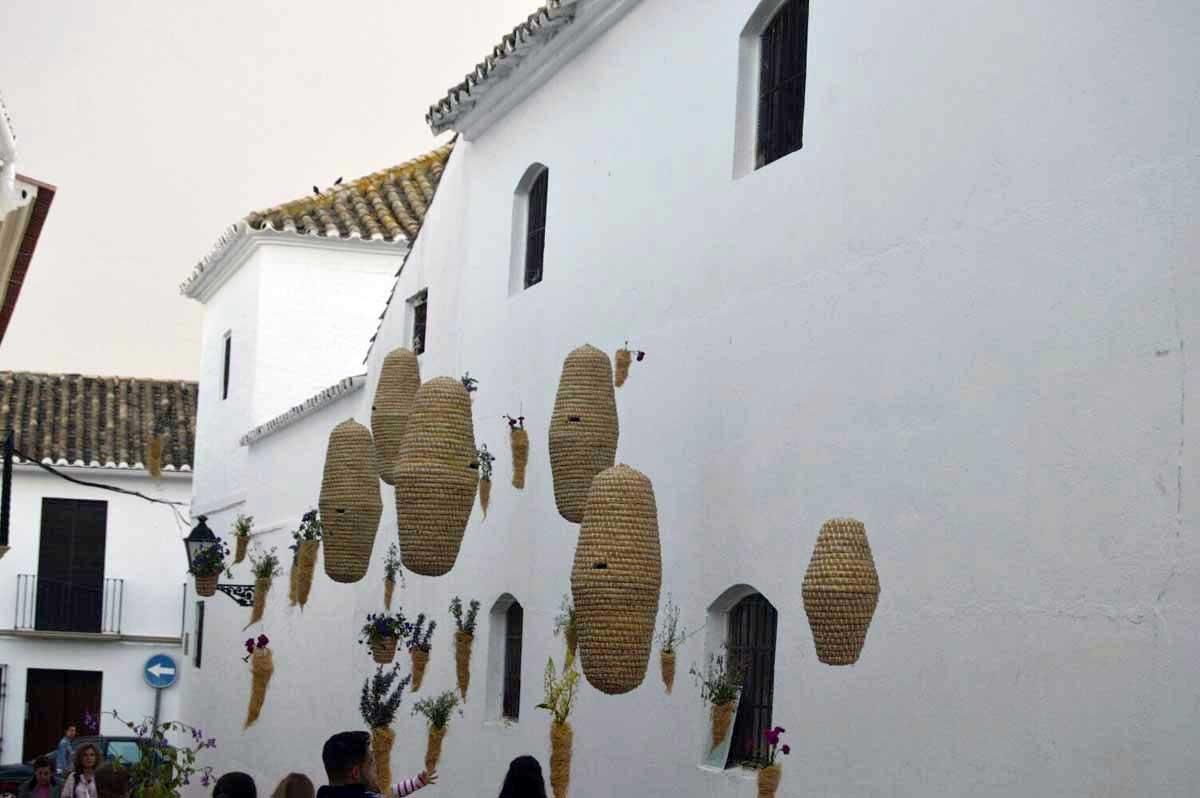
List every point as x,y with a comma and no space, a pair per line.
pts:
408,786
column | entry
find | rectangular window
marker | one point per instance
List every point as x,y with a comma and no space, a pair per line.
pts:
751,644
199,634
225,370
420,317
70,580
535,238
514,622
783,63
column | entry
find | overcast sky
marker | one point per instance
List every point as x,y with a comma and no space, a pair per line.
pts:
163,122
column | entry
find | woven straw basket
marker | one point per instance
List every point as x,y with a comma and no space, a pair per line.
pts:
350,502
399,379
583,428
436,477
841,589
616,580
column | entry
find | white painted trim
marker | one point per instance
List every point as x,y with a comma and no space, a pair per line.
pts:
505,92
219,505
136,471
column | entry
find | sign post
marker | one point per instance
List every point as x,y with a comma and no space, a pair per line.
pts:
160,672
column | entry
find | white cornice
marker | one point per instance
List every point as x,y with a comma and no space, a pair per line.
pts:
314,403
592,19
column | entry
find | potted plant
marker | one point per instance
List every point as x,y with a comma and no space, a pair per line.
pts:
771,773
436,710
720,686
242,528
261,667
265,566
207,567
391,568
669,637
173,763
307,540
564,623
464,638
559,701
380,699
420,643
518,442
381,633
624,359
485,476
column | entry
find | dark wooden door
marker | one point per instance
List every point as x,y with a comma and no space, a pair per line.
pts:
54,698
751,644
70,584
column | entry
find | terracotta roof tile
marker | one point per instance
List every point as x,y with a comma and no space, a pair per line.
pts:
70,419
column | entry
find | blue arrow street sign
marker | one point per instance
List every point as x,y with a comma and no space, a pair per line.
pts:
159,671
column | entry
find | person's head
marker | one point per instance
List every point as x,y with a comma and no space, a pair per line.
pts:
294,785
347,758
87,758
112,781
524,779
235,784
43,771
69,732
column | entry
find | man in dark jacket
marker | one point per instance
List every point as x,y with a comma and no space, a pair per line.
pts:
349,765
43,784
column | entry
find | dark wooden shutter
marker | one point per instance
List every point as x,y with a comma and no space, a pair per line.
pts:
199,634
225,373
752,626
782,73
514,623
53,699
70,583
535,238
420,320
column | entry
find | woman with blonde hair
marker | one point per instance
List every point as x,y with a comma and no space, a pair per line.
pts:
295,785
82,781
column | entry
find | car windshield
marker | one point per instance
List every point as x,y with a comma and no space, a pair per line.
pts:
125,750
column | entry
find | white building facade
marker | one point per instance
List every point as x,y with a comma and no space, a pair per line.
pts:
94,579
959,312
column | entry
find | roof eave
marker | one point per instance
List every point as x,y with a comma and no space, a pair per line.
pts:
11,290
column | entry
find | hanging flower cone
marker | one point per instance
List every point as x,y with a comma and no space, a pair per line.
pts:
420,659
240,543
433,749
841,590
382,740
262,586
768,781
389,587
294,584
518,440
383,649
154,455
306,562
667,663
261,667
722,719
624,358
207,585
462,660
561,737
485,494
572,637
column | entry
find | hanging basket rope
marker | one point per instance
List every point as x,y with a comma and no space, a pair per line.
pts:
350,502
399,379
583,428
841,590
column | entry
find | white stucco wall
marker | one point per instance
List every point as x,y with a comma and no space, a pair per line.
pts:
961,314
142,547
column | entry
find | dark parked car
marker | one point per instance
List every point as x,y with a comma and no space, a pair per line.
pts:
127,749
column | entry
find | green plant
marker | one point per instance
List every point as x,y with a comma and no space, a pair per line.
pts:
470,383
419,639
265,565
467,625
391,564
211,560
164,769
243,525
721,682
565,620
383,625
381,696
437,709
560,692
669,635
310,527
486,459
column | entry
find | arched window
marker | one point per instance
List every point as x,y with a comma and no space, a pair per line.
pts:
529,228
506,623
751,643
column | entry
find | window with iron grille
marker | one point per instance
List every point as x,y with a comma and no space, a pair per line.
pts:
751,644
783,58
199,634
535,235
225,371
514,620
420,315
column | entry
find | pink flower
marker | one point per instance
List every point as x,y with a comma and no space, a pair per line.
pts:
772,737
263,640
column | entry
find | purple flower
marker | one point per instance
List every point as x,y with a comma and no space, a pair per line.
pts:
263,641
212,742
205,780
787,749
781,730
773,737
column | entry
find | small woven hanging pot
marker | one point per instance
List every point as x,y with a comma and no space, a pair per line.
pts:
436,478
616,580
841,590
382,740
433,747
306,563
420,660
240,543
262,586
294,582
722,719
389,587
623,360
768,781
583,428
462,661
383,649
666,661
262,665
350,502
399,379
485,495
154,455
562,737
518,440
206,586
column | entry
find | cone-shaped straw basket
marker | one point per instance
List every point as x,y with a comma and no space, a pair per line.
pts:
262,665
350,502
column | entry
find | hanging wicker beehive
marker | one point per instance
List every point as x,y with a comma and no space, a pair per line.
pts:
583,428
841,589
399,379
350,502
616,579
436,477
